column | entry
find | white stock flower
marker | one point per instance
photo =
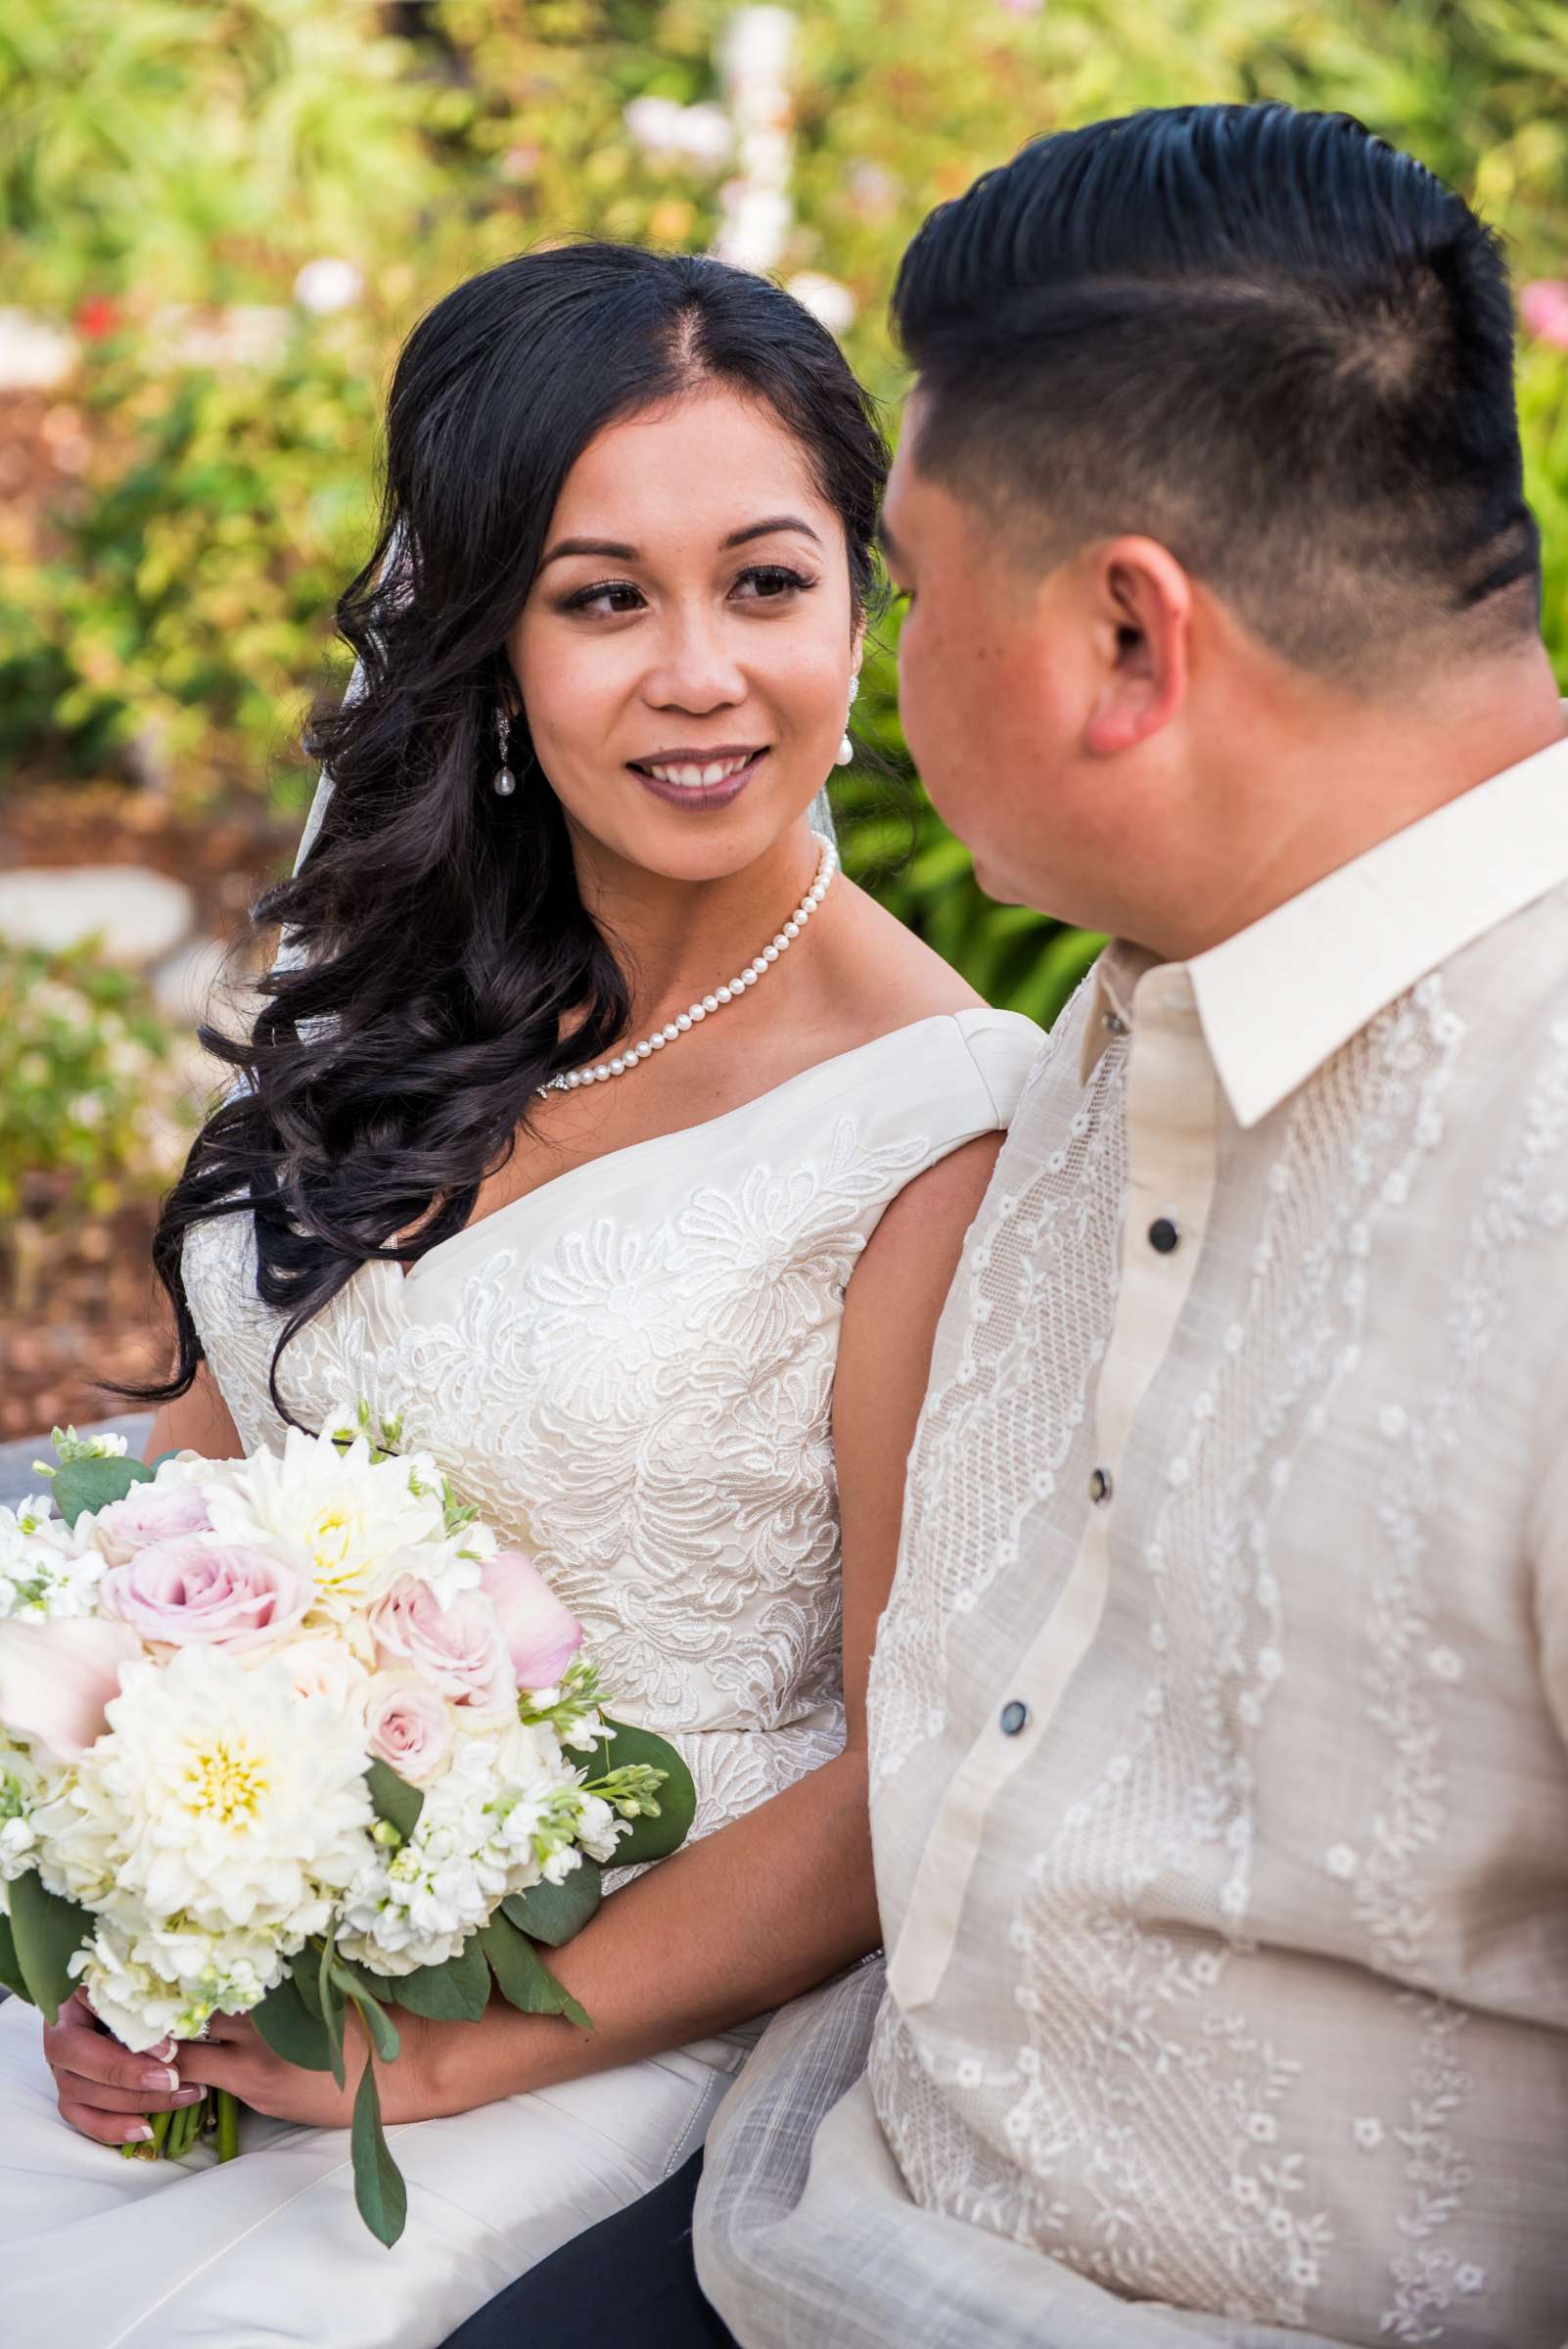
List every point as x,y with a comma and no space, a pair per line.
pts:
150,1985
46,1570
220,1798
504,1814
341,1519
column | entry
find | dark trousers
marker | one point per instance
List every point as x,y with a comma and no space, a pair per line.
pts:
628,2284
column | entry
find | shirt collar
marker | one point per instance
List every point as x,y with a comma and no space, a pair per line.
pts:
1280,998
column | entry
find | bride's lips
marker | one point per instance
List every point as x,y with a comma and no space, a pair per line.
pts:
700,796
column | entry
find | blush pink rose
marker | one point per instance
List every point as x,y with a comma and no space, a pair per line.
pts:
219,1591
459,1647
149,1513
541,1636
56,1678
408,1727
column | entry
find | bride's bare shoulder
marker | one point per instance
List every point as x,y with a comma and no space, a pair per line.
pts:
883,976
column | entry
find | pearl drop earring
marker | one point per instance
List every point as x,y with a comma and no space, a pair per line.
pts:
503,782
845,755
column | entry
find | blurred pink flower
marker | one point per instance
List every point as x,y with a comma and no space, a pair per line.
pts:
56,1678
541,1636
1543,308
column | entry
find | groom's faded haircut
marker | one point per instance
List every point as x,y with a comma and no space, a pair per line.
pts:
1267,340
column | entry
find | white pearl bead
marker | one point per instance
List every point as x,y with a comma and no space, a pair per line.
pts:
710,1002
780,941
759,967
698,1011
792,929
771,953
724,995
657,1043
682,1023
671,1031
600,1074
616,1066
646,1048
572,1080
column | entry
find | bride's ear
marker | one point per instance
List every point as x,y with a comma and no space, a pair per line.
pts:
1142,599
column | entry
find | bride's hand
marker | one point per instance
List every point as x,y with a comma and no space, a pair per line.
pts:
104,2091
235,2055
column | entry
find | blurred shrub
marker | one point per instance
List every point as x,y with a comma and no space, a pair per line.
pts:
155,155
185,610
91,1099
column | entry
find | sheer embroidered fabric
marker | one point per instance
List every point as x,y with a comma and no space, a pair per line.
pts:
1253,2009
630,1371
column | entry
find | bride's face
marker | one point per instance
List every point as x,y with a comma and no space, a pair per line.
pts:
685,653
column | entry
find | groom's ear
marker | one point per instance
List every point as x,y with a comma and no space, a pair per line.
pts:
1141,603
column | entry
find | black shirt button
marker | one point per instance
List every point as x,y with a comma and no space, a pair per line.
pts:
1100,1486
1164,1238
1014,1717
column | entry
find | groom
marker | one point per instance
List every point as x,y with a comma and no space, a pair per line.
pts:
1219,1786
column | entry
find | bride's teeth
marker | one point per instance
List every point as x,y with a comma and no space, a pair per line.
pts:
698,778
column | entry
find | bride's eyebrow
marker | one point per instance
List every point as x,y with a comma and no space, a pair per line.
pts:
619,553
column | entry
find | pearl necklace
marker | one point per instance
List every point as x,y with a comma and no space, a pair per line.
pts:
633,1057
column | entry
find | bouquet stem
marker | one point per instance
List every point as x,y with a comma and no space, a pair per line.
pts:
228,2123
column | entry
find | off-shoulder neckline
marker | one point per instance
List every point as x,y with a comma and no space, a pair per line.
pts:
788,1086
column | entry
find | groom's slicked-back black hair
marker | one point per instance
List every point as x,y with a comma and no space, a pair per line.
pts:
1265,337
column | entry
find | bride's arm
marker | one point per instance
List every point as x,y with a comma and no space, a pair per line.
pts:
767,1907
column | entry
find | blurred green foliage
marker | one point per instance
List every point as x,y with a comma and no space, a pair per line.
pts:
90,1112
160,161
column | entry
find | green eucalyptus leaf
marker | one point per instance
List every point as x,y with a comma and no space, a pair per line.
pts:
10,1965
304,1966
394,1799
291,2030
650,1839
379,2188
47,1932
554,1912
522,1975
457,1991
93,1483
379,2026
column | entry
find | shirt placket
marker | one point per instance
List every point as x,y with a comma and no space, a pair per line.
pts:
1170,1107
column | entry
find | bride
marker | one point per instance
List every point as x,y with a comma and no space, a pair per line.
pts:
612,1142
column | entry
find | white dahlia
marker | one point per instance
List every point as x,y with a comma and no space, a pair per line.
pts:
221,1797
349,1524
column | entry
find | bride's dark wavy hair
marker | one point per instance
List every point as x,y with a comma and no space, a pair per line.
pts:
441,933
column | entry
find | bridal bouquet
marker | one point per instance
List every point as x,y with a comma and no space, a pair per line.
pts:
293,1734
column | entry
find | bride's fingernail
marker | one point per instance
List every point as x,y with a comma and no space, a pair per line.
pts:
164,2049
138,2134
161,2076
187,2095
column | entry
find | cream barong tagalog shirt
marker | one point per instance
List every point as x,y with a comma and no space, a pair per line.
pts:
1219,1789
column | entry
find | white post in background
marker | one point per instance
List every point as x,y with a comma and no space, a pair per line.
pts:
757,212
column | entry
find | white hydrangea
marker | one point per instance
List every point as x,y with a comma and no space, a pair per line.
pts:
349,1524
217,1797
45,1571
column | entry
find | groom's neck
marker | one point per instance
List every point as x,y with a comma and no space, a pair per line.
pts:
1303,784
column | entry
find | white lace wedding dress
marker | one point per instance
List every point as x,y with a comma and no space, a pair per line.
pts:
630,1370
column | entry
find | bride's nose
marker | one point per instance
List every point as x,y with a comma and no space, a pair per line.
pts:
694,667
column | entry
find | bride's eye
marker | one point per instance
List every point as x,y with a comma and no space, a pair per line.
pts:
771,582
607,597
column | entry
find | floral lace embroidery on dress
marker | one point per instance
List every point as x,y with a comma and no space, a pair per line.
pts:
642,1396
